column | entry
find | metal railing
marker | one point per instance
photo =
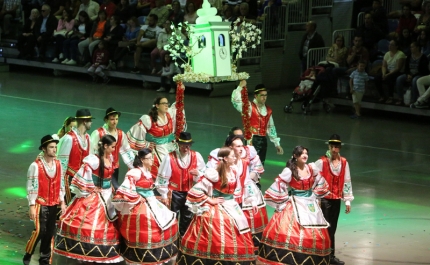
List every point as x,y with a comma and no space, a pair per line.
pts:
316,55
322,3
348,35
274,23
360,19
299,12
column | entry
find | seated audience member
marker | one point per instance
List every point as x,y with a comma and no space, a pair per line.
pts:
337,52
99,63
91,8
146,40
392,67
44,28
109,7
128,42
73,7
423,41
424,95
144,7
405,40
423,22
176,14
57,7
167,72
27,39
406,20
7,13
125,11
190,13
64,27
162,40
197,3
356,54
311,39
96,35
217,4
416,66
81,32
161,11
28,5
244,13
371,35
228,14
379,16
113,34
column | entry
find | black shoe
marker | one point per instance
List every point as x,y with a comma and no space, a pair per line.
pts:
135,70
26,259
336,261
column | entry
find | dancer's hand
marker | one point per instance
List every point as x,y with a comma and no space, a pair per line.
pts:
164,201
242,83
63,207
151,146
279,150
32,212
215,201
348,209
255,209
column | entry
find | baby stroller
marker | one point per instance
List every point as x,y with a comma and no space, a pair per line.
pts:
323,82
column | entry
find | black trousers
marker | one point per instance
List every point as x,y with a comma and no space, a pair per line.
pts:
44,232
115,183
331,210
260,144
178,206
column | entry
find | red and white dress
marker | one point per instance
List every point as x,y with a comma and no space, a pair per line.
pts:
88,229
218,234
297,232
149,228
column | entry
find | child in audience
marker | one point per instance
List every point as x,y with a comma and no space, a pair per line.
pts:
307,83
169,70
100,62
358,83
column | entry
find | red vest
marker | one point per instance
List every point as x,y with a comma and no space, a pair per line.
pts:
303,184
77,154
164,130
145,183
335,182
115,153
228,189
259,122
181,179
49,188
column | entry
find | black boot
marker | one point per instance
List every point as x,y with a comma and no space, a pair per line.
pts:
336,261
26,259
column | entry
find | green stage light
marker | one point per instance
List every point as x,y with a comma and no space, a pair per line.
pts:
16,191
24,147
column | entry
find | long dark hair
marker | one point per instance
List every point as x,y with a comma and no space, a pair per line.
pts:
69,15
108,140
231,138
140,155
85,16
153,112
101,11
222,165
292,162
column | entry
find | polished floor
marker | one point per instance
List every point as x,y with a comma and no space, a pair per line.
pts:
389,156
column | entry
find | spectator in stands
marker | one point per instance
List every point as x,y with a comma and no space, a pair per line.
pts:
424,95
167,73
113,34
27,39
176,15
423,22
190,13
128,42
310,40
44,29
144,7
415,7
416,66
161,11
96,35
371,35
228,14
197,3
100,62
392,67
125,11
338,52
244,14
29,5
423,42
146,40
218,4
81,32
57,7
7,13
379,15
91,8
64,27
109,7
162,40
405,40
73,6
358,83
356,54
407,20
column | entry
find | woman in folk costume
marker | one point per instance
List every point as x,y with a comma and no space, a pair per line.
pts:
219,232
156,130
297,232
88,229
149,228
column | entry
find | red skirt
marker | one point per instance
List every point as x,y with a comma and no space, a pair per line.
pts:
213,238
257,223
145,242
285,241
86,233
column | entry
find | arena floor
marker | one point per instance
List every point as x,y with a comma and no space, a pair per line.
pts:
389,156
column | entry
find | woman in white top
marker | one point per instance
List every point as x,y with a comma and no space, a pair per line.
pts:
191,13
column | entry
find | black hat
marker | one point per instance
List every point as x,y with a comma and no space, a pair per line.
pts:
335,140
111,111
185,138
259,88
83,114
46,140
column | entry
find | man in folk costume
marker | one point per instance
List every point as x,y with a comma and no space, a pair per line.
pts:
178,172
335,170
122,147
45,192
74,147
249,168
259,116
